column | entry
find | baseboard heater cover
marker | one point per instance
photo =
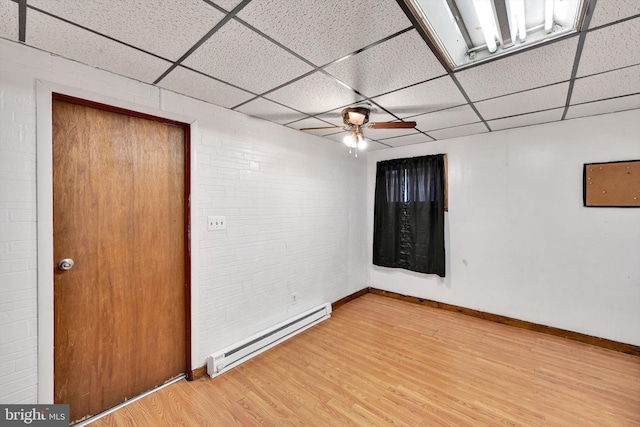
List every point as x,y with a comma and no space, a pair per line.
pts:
232,356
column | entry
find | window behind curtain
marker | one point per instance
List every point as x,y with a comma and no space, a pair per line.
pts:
409,214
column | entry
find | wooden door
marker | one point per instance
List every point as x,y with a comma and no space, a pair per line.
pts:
119,213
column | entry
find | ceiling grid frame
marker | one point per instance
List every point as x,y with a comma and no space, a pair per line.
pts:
206,37
22,20
576,64
75,24
599,102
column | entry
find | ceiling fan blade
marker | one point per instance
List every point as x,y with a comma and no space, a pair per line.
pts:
323,127
392,125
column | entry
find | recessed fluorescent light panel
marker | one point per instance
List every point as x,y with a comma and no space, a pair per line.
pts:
471,31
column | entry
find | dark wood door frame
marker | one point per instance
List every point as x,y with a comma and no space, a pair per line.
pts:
187,205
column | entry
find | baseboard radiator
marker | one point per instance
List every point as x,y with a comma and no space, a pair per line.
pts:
232,356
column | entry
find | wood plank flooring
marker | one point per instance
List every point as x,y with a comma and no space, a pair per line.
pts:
384,362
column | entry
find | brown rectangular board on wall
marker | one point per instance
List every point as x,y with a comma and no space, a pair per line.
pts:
612,184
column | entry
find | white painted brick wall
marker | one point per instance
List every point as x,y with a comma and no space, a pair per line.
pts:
18,310
289,218
295,207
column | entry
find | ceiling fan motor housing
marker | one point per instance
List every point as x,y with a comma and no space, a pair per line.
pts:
361,111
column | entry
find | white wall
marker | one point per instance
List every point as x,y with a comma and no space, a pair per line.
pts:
294,205
519,241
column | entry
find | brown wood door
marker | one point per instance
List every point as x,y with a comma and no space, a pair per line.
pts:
118,207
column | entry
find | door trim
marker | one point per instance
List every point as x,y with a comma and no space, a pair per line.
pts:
45,93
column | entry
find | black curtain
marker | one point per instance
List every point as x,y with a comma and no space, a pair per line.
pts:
409,214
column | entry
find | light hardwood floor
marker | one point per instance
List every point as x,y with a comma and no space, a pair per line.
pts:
380,361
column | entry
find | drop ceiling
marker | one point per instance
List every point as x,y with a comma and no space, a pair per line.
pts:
298,63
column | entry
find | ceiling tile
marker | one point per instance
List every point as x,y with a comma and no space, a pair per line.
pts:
607,11
610,47
458,131
314,123
72,42
372,146
446,118
232,52
540,66
271,111
527,119
165,28
603,107
323,31
227,5
625,81
338,136
315,94
182,80
378,134
543,98
394,64
9,20
415,138
433,95
334,117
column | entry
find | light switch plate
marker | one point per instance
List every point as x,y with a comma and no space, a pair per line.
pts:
216,222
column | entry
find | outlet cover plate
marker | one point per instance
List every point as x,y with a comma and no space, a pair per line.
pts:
216,222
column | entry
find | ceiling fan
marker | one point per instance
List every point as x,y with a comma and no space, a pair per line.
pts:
357,117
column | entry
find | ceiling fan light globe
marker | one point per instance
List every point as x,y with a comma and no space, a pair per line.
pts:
350,141
356,118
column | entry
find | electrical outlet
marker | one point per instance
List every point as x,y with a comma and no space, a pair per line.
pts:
294,298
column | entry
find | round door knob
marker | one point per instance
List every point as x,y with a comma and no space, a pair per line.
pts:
65,264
